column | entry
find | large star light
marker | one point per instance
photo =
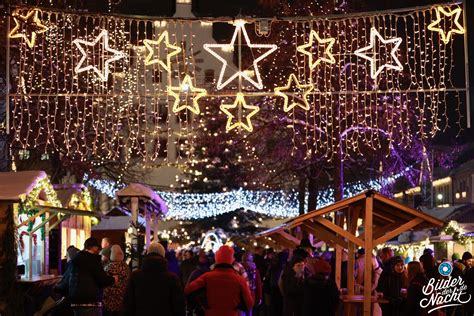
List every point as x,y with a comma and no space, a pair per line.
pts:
364,52
22,22
286,93
104,39
214,49
239,105
186,87
172,50
435,25
306,49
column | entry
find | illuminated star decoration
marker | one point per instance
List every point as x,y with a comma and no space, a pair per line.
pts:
307,50
150,44
30,19
186,87
435,27
213,48
374,69
104,38
304,88
239,103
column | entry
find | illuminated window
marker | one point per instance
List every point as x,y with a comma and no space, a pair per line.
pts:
183,1
24,154
458,195
463,194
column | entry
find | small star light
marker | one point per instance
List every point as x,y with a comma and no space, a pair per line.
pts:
374,69
289,89
435,25
186,87
215,49
30,20
104,39
307,49
238,105
150,46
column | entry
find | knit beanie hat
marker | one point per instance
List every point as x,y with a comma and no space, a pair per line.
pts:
116,253
156,248
466,256
225,254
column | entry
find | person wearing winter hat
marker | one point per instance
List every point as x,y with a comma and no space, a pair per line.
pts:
225,288
113,296
467,259
153,289
196,302
156,248
320,292
254,280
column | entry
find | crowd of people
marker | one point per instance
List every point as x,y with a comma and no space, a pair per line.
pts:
258,283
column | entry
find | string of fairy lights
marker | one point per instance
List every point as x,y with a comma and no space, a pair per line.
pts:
123,88
283,204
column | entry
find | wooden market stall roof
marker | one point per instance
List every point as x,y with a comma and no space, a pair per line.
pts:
153,202
337,224
16,185
390,219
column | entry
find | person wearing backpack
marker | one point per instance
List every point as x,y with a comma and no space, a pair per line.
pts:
254,280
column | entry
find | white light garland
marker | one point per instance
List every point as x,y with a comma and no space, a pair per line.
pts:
281,204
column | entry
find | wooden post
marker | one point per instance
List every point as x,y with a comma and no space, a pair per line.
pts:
155,227
368,255
147,228
134,241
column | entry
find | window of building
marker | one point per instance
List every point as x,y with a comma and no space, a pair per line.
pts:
209,75
24,154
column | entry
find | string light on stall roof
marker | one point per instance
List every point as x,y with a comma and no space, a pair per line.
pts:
171,50
186,88
308,49
454,15
287,92
364,52
24,22
234,118
103,38
216,50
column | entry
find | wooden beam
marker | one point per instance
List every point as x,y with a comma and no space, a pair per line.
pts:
339,230
330,208
32,218
382,230
403,228
368,256
350,268
289,237
352,219
281,240
406,209
322,233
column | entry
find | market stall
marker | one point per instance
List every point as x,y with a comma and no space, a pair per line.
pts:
365,220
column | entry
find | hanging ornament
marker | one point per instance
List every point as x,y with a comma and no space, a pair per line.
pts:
299,98
171,50
103,38
452,14
374,69
25,22
217,49
307,49
186,88
239,105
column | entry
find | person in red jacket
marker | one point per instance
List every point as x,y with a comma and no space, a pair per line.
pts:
226,290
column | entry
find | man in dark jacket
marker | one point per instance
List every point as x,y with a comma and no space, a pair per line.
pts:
85,279
226,290
152,289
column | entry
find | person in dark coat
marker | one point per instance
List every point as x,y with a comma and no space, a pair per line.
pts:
429,266
416,281
292,282
254,280
188,265
197,301
391,285
85,279
321,295
469,281
272,293
152,289
226,290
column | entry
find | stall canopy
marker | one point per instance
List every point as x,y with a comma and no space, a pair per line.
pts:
364,220
15,186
